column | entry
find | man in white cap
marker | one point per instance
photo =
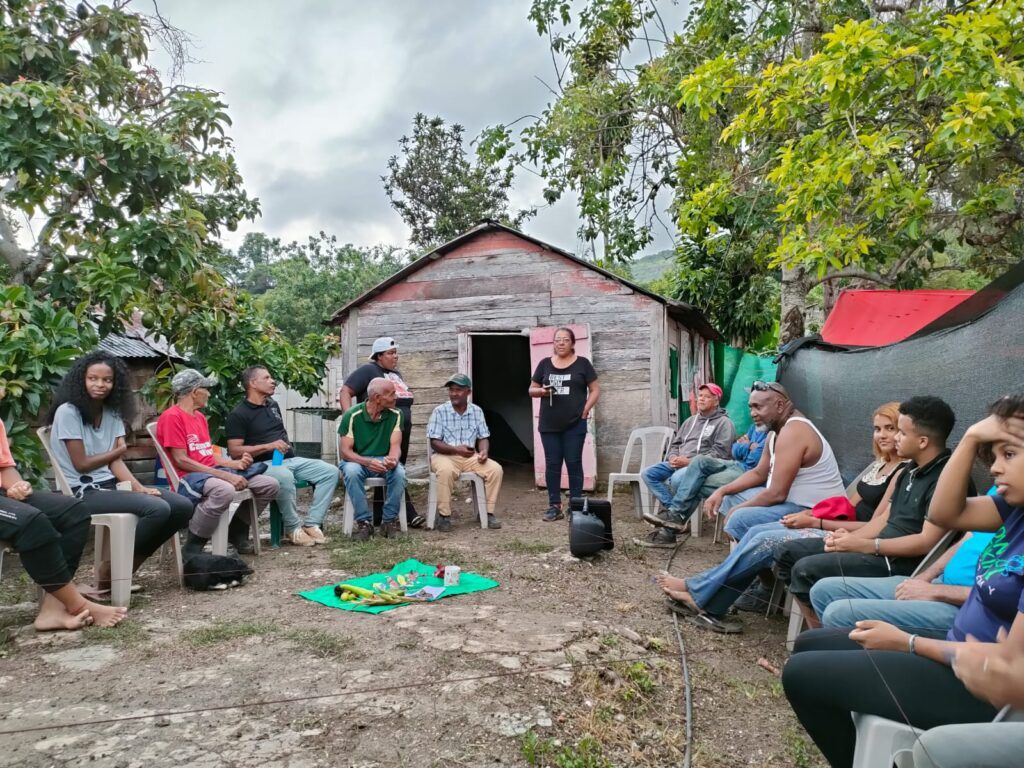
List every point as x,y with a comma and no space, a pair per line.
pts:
384,365
459,437
210,479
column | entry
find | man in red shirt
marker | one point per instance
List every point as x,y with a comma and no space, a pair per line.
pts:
183,432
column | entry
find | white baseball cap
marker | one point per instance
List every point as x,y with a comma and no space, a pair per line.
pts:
383,344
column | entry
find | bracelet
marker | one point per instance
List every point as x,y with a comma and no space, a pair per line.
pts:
911,643
878,547
821,523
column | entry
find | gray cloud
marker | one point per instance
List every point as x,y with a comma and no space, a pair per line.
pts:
320,92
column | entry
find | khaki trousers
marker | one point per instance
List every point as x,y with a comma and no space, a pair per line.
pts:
448,469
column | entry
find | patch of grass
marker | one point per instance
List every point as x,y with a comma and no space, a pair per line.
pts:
639,683
319,642
610,641
223,631
16,590
520,547
798,749
632,551
586,753
126,634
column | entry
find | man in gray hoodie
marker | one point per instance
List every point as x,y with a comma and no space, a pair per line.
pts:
709,433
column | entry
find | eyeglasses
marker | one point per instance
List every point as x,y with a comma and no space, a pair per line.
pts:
766,386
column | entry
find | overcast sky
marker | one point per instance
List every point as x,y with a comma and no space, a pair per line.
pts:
320,91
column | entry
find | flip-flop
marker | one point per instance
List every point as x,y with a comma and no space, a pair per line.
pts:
678,606
715,624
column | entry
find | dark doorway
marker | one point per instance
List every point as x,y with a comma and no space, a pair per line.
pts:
501,376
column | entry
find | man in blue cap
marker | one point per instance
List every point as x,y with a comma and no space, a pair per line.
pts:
459,438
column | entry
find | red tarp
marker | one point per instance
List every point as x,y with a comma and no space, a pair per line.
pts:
867,318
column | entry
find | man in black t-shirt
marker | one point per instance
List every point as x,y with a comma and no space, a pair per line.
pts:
384,365
255,426
894,542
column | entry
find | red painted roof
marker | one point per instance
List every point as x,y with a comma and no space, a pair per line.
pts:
874,318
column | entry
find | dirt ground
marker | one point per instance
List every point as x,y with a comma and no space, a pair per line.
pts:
568,663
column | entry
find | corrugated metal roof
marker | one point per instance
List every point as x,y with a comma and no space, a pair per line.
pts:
131,346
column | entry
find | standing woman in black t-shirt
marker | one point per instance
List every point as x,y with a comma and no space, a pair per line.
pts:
384,365
567,384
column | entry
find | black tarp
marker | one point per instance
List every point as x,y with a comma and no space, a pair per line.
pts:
969,357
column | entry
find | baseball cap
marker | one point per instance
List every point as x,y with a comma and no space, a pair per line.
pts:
713,388
383,344
460,380
188,380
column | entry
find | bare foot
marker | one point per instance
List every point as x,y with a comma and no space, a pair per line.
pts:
667,582
106,615
684,597
53,617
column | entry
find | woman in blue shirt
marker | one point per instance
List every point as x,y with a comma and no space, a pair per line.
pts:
881,670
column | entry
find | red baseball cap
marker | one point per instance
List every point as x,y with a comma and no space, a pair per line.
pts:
713,388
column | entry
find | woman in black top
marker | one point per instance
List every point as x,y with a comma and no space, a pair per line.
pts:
569,388
384,365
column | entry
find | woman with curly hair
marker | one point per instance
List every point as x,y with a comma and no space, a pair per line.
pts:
89,410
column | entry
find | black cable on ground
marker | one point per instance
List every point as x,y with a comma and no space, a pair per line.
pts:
687,691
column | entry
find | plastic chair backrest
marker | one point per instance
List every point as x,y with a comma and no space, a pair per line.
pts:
947,540
62,482
653,441
165,459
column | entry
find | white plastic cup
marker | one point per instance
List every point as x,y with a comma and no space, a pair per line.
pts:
452,573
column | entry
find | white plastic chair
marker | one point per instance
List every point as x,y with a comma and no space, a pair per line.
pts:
653,442
370,482
115,536
882,742
476,485
219,540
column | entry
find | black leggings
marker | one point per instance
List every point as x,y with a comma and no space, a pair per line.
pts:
829,676
48,531
160,517
565,446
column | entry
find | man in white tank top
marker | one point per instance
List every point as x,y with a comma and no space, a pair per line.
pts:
796,471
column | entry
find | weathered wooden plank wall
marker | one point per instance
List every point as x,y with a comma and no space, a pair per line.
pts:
499,282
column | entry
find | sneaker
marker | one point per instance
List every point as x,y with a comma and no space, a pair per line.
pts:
553,513
659,538
390,529
315,533
417,521
300,538
492,522
443,524
363,531
666,518
754,599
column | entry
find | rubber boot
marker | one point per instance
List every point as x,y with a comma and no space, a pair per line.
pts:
193,546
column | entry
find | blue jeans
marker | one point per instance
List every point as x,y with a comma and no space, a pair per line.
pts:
687,485
320,474
565,446
742,520
843,601
716,589
355,475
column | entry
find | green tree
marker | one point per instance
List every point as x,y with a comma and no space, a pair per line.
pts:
308,282
439,192
798,142
128,185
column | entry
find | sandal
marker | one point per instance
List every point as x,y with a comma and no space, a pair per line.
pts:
678,606
715,624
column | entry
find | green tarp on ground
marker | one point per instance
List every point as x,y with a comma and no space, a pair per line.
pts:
735,370
469,582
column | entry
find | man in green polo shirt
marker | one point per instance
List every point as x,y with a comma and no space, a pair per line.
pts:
371,441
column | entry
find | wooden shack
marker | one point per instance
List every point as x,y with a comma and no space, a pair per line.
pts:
487,303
